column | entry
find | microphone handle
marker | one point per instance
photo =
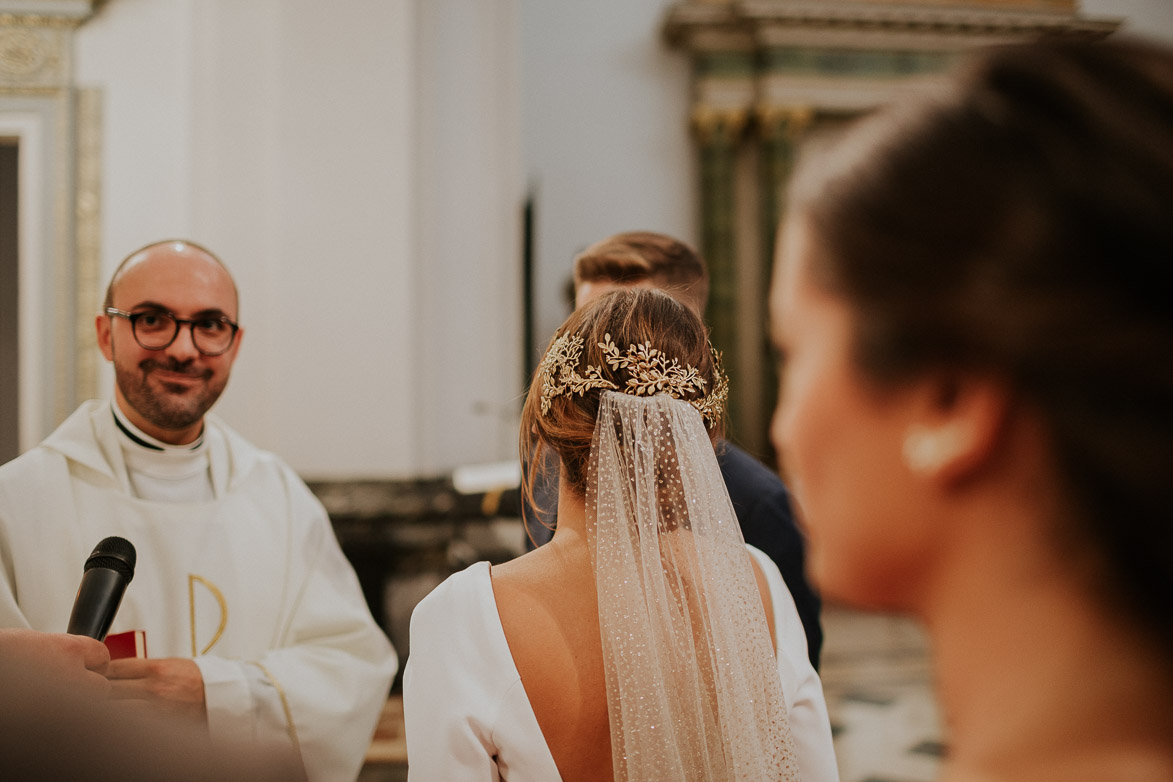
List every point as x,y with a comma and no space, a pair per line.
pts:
97,601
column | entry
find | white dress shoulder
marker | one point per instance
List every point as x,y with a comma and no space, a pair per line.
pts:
467,714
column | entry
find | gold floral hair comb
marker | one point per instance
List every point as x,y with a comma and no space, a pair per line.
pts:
649,372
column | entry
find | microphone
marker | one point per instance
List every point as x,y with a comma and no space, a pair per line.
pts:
107,572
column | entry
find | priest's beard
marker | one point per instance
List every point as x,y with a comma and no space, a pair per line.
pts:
167,405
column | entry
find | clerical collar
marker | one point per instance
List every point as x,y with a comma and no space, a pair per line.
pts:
144,440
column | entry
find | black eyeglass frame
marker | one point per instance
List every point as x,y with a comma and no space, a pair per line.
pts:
132,317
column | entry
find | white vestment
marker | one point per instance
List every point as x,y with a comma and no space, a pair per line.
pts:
252,584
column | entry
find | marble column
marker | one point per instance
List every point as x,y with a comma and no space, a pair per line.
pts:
780,130
719,134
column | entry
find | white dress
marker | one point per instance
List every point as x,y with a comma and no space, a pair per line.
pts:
252,585
467,714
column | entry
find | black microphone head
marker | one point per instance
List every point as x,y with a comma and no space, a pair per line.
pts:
114,553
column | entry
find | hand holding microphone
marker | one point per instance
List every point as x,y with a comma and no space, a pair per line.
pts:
77,665
107,572
175,684
33,660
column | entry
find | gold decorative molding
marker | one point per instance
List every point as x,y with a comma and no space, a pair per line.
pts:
793,121
88,233
961,20
36,37
33,58
1004,18
719,124
31,92
40,20
22,51
61,257
47,13
1031,5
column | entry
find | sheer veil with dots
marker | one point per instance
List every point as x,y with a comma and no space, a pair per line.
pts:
692,685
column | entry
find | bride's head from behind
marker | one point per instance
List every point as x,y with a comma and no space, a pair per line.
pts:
637,341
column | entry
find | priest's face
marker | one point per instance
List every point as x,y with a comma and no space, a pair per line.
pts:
166,392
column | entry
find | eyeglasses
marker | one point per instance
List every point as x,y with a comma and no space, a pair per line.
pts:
157,329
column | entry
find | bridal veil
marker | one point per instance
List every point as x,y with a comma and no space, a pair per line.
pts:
692,685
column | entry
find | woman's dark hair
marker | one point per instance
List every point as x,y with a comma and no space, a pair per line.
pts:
631,316
1021,223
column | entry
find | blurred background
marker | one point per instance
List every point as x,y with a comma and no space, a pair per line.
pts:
399,187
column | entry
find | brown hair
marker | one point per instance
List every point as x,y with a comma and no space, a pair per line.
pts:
1021,224
630,316
669,264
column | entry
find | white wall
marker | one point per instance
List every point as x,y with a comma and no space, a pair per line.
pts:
139,52
605,112
605,135
359,165
1146,18
467,364
284,134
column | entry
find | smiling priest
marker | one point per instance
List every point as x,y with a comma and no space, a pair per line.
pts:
253,619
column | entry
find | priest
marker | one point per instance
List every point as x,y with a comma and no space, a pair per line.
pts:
253,620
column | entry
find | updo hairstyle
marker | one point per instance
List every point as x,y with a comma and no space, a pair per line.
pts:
631,316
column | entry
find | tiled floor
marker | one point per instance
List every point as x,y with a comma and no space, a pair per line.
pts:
383,772
877,680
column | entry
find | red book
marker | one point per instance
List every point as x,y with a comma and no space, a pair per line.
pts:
132,643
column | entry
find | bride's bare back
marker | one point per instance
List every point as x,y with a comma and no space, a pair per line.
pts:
549,612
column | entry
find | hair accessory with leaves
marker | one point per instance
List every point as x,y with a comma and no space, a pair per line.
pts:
649,372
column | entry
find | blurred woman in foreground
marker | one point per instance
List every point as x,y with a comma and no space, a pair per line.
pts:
973,306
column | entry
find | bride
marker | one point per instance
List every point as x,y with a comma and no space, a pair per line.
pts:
646,640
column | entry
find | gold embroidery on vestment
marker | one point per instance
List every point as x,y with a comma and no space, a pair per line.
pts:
284,705
192,578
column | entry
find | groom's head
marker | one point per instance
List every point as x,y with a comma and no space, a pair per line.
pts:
641,259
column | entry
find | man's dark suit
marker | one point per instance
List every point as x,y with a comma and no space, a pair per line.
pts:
763,509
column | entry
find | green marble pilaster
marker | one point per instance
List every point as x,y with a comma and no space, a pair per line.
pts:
854,63
719,133
780,129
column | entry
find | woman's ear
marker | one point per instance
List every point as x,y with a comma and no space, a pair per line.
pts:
957,427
